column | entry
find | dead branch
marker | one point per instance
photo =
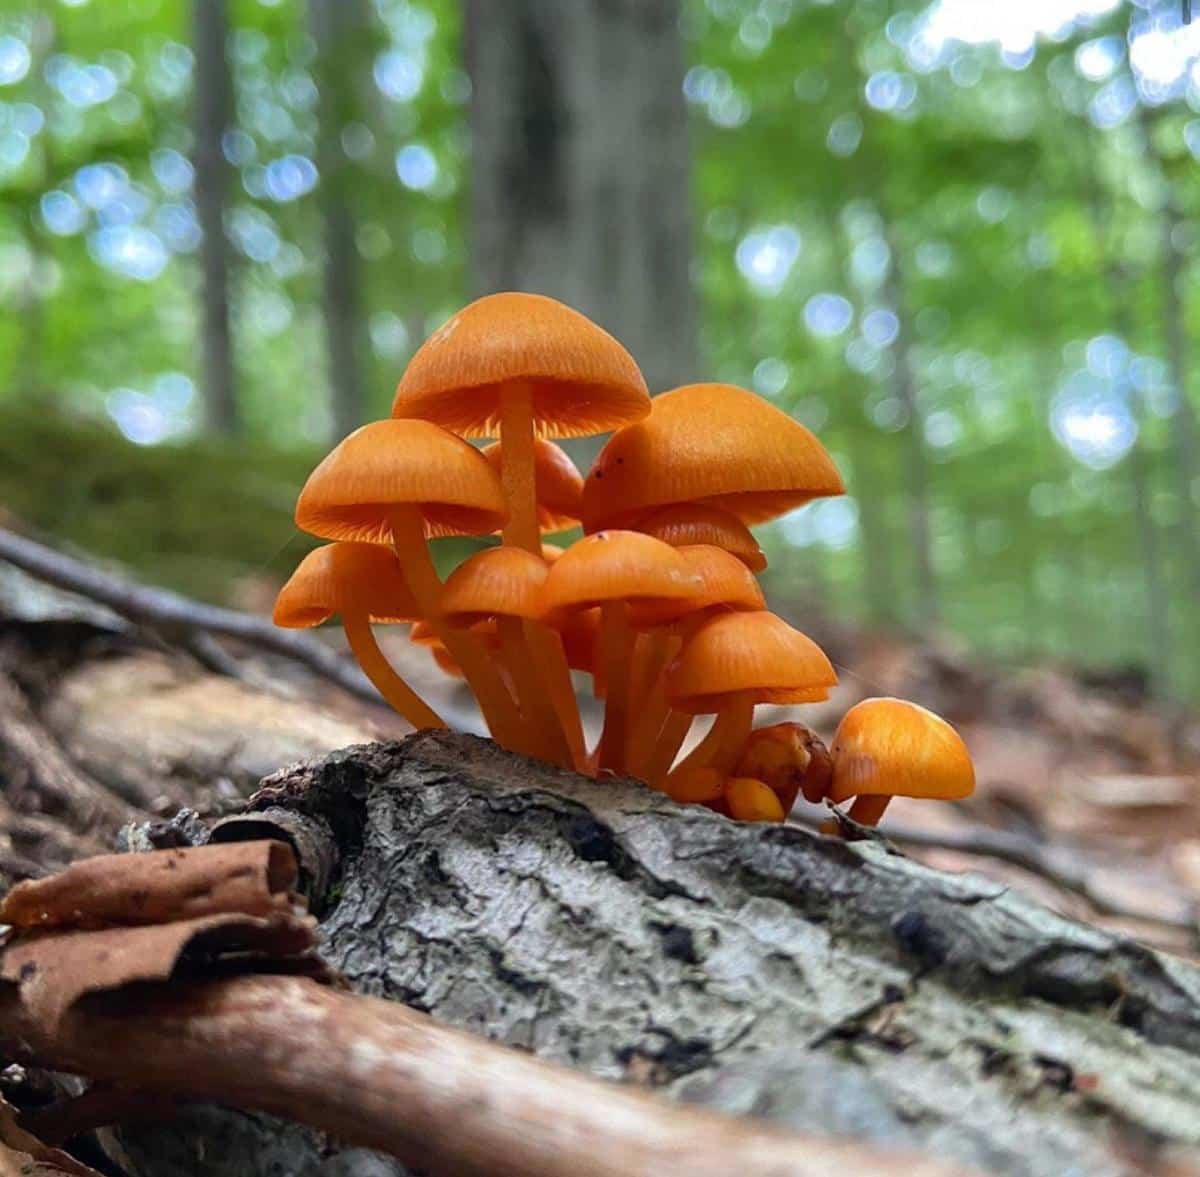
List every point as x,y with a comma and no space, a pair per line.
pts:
379,1075
163,610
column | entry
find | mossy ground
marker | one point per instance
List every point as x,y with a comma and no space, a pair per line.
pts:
201,516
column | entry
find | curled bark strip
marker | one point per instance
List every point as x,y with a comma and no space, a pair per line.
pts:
55,969
251,878
380,1075
310,838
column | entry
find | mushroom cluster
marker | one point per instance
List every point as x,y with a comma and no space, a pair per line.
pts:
657,603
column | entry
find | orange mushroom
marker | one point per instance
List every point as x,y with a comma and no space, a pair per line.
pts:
713,444
557,483
506,583
790,758
886,748
360,583
402,482
726,585
733,662
753,800
619,571
687,524
522,365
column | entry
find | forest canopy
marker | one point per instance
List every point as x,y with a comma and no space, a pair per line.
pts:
957,240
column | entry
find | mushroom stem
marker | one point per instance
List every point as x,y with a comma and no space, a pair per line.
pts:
719,749
544,735
650,705
517,467
616,646
547,648
399,695
670,739
869,808
495,703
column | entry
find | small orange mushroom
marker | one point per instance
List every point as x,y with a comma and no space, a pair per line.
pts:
697,786
753,800
557,483
688,524
713,444
360,583
522,365
726,585
506,583
402,482
620,571
790,758
731,663
886,748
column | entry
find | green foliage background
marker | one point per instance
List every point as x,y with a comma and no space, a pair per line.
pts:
1028,220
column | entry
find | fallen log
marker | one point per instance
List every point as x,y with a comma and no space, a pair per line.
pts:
832,988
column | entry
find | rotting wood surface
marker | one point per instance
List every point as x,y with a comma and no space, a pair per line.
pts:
829,987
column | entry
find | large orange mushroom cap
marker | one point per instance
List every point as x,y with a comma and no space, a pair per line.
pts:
582,380
890,747
391,463
339,577
619,566
689,524
714,444
740,654
497,582
558,485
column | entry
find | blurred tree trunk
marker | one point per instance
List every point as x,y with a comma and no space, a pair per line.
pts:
917,462
1184,429
1187,464
338,28
878,587
213,114
581,168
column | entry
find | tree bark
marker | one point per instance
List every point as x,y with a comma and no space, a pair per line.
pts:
1184,427
213,115
830,987
917,465
581,173
338,26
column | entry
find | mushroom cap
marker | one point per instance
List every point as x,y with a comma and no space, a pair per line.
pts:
497,582
696,785
714,444
726,583
341,576
740,654
390,463
898,749
557,483
788,757
619,566
752,800
687,524
583,381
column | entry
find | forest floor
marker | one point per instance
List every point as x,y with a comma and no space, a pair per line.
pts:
1088,797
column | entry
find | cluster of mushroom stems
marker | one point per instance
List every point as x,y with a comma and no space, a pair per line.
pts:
658,602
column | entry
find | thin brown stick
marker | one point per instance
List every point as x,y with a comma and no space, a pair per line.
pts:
379,1075
1028,855
164,610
